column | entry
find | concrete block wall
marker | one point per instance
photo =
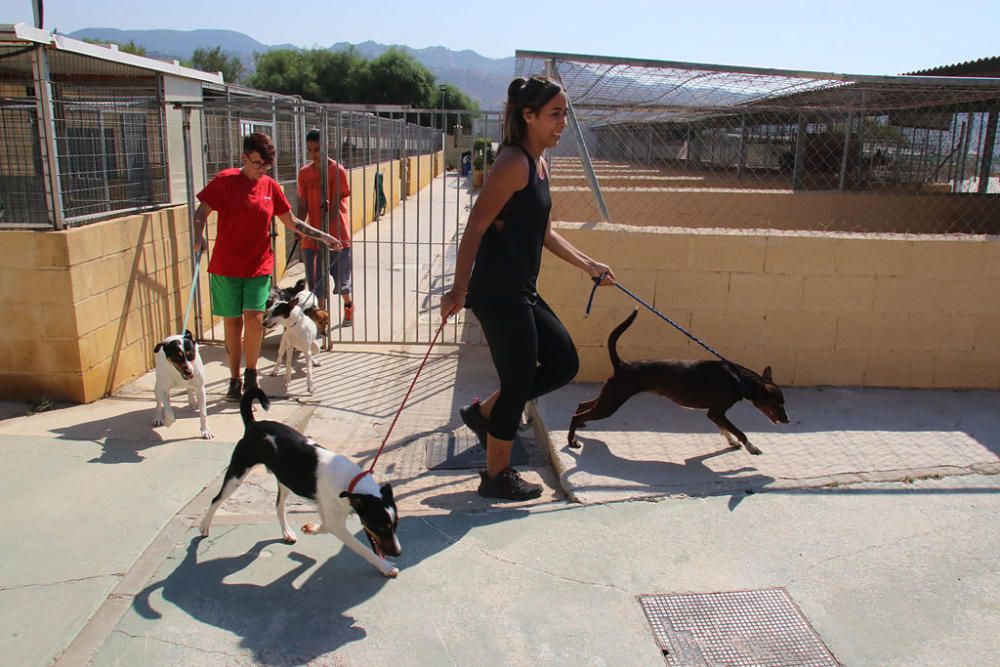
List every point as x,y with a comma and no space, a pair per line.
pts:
84,307
821,309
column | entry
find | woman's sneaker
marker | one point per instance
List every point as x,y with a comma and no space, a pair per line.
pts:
473,417
508,485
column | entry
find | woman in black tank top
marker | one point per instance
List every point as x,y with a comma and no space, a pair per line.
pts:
496,274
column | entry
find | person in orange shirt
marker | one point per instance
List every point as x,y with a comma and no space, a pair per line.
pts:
310,208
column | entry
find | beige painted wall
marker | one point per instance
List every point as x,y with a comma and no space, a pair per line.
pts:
822,309
422,169
112,290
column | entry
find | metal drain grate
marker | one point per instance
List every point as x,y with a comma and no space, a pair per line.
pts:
736,629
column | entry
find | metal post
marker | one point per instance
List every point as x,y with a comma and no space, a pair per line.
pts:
963,153
325,212
798,166
847,145
47,137
189,182
741,154
989,143
553,73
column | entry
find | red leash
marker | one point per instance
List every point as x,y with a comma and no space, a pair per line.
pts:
371,468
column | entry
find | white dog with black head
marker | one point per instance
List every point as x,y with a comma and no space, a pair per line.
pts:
178,364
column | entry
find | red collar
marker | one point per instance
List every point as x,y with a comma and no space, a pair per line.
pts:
357,478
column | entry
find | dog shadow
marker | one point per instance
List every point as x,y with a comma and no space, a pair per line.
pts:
690,478
290,621
282,623
124,437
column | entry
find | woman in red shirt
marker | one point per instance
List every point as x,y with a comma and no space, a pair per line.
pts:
242,261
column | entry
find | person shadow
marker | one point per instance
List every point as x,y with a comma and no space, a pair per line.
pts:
660,478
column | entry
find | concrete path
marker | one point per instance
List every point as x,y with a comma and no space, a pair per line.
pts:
875,510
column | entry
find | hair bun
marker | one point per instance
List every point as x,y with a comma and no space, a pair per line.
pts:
515,87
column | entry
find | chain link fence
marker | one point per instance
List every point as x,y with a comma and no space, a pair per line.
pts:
690,145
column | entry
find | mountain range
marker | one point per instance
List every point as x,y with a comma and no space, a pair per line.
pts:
482,79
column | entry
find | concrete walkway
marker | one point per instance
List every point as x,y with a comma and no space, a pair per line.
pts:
875,510
103,564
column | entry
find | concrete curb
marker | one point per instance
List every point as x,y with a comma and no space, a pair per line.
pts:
542,437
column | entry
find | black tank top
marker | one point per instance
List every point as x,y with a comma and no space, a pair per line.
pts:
507,264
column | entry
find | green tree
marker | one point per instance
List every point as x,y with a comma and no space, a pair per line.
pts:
214,60
285,71
395,77
339,75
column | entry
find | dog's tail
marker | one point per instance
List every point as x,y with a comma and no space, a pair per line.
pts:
615,335
246,404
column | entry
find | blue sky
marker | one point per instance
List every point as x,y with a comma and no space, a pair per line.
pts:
871,37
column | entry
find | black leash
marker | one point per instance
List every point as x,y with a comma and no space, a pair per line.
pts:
590,303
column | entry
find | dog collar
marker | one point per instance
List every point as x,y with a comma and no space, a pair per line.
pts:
357,478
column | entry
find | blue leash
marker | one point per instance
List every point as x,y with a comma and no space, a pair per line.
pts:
590,303
194,286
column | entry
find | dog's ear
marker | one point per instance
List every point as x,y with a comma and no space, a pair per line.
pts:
157,348
188,335
356,500
767,375
386,491
189,351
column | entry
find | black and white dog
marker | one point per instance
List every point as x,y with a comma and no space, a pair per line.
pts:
335,483
178,364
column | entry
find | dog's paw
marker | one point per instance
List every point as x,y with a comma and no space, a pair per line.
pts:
391,571
575,444
310,528
158,422
274,372
290,537
311,389
315,362
206,434
753,449
169,420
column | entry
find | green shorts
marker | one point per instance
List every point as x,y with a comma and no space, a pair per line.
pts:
231,296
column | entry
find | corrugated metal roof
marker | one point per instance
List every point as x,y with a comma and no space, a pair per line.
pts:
981,67
26,34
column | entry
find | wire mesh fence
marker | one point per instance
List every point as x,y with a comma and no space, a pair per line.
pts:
80,144
678,144
22,188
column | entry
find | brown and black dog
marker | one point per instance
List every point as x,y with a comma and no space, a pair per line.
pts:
702,385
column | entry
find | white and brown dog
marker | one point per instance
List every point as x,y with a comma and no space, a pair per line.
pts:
300,334
335,483
178,364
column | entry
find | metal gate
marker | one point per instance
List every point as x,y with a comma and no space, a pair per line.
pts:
410,196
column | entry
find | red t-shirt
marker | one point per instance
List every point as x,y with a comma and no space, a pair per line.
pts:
310,190
245,208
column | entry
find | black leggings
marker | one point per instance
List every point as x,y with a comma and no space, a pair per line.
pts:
533,355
